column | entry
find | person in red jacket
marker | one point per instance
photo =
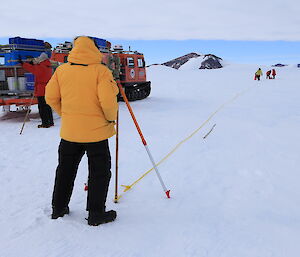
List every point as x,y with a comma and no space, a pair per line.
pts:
273,73
268,73
42,70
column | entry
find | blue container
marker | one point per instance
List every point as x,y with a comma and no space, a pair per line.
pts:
29,77
100,42
19,40
13,57
14,40
29,81
26,41
37,42
29,86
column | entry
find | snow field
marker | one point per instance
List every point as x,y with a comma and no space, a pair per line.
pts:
235,193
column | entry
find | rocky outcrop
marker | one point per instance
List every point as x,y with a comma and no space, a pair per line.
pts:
211,61
178,62
279,65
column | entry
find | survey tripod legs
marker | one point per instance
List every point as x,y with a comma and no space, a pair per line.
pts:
167,192
117,159
27,113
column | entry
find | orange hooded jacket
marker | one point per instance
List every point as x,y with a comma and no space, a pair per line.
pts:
84,93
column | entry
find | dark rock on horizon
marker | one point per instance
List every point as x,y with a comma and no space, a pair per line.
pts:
178,62
211,62
279,65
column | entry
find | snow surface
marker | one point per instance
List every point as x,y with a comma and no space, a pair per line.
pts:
234,194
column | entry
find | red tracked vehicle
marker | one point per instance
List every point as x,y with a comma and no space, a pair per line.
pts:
16,84
128,68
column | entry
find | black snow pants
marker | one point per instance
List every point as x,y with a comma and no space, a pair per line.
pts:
45,111
99,164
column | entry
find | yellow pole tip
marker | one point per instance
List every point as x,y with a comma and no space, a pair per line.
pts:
117,199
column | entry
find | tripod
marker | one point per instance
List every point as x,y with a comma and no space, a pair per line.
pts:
166,191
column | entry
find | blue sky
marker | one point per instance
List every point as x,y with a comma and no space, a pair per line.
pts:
256,31
258,52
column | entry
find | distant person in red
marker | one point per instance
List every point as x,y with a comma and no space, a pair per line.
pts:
42,70
273,73
268,73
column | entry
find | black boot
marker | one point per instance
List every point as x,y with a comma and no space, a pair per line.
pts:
96,219
44,126
59,213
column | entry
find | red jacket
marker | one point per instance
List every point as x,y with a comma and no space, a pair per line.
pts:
42,73
273,72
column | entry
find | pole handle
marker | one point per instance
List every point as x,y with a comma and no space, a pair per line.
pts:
132,114
117,158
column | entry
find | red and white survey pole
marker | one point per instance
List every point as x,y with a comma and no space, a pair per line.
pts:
167,192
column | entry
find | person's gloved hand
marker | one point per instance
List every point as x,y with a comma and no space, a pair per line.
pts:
20,60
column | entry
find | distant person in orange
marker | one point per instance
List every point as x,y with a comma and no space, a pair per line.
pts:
273,73
268,73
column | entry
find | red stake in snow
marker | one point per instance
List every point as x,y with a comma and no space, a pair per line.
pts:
167,192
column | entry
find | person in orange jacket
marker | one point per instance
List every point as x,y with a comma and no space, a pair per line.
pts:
273,73
84,93
42,70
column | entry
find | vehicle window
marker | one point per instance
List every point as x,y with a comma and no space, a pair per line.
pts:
141,63
130,62
2,61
